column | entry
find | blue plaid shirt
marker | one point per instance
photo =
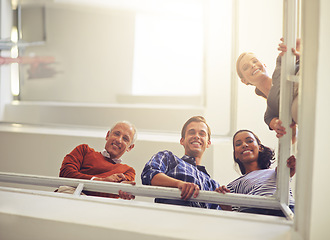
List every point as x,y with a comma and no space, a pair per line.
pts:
183,169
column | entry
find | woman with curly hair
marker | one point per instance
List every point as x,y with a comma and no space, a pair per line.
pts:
254,161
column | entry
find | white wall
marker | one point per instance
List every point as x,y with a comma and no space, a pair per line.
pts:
100,41
320,189
17,148
93,51
5,30
260,30
120,219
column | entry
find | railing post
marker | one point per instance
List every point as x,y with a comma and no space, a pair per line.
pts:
286,94
79,189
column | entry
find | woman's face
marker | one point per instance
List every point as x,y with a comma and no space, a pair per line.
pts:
252,69
246,147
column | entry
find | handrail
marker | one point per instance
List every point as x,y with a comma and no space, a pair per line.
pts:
141,190
286,96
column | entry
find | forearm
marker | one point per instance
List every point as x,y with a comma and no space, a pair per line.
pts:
72,163
226,207
272,123
69,172
130,175
163,180
268,117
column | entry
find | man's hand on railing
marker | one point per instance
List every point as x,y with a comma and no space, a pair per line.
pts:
126,195
188,189
117,177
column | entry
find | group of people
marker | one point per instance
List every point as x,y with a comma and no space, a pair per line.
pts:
187,173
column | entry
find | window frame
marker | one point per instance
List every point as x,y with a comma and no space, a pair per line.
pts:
280,200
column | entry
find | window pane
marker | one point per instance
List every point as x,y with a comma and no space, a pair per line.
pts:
168,55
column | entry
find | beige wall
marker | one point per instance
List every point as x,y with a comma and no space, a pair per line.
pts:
320,187
93,51
19,150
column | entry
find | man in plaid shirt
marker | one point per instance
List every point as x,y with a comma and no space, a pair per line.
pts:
186,173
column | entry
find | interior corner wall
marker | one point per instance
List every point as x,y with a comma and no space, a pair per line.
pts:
320,187
5,31
259,31
100,40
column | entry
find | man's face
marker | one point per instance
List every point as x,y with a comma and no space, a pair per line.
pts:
119,140
196,139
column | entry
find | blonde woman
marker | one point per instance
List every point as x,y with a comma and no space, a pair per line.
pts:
253,72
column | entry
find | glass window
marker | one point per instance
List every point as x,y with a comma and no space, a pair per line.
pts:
168,55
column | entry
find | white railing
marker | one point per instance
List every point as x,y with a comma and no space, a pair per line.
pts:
286,94
145,191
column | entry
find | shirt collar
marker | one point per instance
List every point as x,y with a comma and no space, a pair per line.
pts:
189,159
192,161
107,155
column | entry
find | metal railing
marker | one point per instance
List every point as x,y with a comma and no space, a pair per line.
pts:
286,95
144,191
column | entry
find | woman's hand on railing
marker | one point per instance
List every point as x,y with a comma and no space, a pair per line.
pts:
291,163
283,48
276,125
223,189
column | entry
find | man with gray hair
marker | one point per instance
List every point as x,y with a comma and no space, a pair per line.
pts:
86,163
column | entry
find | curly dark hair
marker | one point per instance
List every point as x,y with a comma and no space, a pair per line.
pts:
266,156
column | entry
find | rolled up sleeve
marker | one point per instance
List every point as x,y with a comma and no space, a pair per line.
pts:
157,164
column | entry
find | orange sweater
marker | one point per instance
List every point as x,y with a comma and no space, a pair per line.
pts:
84,163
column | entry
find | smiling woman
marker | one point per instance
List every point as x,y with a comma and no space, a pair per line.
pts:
253,72
254,160
249,153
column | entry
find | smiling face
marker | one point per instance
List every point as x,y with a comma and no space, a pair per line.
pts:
119,140
195,139
246,148
250,69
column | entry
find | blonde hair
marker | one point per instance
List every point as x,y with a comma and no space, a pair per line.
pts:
239,73
238,61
